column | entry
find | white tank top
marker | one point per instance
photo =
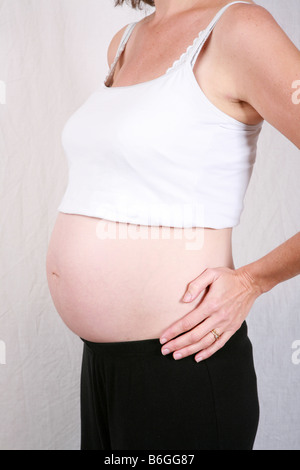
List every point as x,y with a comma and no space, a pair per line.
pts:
158,153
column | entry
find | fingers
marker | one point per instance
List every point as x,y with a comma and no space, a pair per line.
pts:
204,348
223,309
186,323
198,337
206,352
201,282
194,348
195,317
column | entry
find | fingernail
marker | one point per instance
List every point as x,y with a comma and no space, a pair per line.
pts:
163,340
165,351
198,359
177,356
187,297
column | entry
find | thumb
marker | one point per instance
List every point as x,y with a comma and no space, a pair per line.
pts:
201,282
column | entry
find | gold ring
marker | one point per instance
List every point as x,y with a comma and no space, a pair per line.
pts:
216,335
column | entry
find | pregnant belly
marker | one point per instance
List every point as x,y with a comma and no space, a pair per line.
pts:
113,281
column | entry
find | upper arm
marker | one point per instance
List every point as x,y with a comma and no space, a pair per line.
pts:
267,68
114,45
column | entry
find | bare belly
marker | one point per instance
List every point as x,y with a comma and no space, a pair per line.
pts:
113,281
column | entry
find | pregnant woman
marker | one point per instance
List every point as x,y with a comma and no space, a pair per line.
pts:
140,260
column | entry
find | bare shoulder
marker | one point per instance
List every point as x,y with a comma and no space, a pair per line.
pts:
263,63
114,44
247,25
250,39
247,13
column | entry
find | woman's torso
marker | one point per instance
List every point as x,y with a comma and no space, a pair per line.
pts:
119,282
118,286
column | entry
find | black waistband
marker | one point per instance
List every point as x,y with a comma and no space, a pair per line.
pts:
125,347
146,346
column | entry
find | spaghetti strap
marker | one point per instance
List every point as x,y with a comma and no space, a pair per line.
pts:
206,33
123,42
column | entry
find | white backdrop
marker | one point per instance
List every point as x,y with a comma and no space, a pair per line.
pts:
52,56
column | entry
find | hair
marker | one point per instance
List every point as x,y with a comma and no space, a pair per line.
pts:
137,4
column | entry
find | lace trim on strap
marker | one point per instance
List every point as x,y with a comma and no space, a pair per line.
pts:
124,41
192,51
186,53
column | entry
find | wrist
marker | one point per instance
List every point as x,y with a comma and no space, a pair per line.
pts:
254,279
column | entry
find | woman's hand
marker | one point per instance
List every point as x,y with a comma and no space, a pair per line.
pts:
223,309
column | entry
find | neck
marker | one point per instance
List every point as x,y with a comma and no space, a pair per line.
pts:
166,9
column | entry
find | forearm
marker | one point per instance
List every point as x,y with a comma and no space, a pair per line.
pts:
279,265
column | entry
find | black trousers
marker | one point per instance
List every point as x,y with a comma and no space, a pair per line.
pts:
134,398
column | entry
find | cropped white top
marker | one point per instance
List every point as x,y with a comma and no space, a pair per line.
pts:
158,153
